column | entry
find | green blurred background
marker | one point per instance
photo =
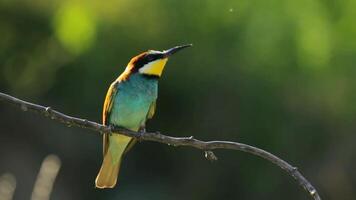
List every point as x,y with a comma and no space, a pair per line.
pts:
276,74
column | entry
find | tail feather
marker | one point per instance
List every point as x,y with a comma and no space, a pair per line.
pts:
108,173
114,148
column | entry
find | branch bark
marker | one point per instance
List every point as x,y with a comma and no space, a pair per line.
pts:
207,146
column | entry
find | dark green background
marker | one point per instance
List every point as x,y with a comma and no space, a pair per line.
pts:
279,75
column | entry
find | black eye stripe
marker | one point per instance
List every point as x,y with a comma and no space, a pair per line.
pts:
149,57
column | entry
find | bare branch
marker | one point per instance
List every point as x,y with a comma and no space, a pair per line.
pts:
158,137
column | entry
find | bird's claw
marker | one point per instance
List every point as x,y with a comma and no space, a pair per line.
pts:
112,128
141,133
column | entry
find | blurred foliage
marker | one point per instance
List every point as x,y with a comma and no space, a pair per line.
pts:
276,74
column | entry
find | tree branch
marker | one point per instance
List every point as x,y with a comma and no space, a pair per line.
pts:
158,137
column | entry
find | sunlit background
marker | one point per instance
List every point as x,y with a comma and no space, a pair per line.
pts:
276,74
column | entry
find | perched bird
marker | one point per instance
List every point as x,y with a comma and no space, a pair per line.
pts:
129,102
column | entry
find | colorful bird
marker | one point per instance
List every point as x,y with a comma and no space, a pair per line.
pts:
130,101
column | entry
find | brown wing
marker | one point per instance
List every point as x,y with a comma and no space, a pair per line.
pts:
110,95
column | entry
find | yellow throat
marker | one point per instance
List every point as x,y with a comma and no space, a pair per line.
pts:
154,68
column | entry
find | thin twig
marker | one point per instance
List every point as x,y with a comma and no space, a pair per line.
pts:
158,137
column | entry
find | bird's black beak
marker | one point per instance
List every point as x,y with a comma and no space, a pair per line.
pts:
174,50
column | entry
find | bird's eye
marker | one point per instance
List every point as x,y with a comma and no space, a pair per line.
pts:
150,58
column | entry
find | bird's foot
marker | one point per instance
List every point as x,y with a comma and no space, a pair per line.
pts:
112,128
141,132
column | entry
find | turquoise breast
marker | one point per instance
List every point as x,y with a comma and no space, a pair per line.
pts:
133,100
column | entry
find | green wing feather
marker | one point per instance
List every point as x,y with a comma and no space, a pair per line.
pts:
150,114
152,110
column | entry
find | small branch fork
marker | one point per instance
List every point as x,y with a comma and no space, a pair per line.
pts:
207,147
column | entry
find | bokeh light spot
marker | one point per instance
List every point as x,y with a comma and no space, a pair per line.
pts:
75,27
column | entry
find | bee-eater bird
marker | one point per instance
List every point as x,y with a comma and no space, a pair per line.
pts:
129,102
